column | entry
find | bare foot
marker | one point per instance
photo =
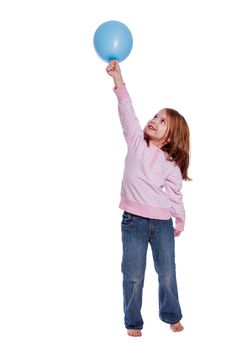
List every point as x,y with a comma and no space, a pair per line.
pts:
134,332
177,327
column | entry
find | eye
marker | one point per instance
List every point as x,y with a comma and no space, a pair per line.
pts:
163,121
155,117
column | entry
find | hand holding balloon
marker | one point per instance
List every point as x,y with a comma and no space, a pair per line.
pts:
113,69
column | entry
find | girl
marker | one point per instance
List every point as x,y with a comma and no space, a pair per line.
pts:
156,162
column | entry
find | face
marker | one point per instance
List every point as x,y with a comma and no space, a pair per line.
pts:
156,128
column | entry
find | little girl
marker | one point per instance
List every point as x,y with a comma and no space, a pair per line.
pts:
156,162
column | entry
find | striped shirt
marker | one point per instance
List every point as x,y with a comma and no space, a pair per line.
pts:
151,185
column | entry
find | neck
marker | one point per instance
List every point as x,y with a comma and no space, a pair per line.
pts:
155,143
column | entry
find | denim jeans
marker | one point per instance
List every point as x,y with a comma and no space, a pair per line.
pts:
137,232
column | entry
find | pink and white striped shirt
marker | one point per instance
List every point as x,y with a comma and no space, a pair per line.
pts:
151,185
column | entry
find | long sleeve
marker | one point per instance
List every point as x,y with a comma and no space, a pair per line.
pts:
173,187
129,122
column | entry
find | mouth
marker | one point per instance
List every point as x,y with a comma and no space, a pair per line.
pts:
151,127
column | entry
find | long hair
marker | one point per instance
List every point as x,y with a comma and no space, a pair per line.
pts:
177,144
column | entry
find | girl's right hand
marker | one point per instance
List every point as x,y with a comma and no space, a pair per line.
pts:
113,69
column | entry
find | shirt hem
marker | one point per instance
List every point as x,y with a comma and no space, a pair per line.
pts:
144,210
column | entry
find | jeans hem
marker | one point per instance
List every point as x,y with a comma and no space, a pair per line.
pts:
170,321
134,327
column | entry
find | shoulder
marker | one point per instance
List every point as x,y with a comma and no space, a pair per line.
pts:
173,169
170,162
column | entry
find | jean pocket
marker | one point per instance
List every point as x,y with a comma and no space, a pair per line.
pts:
127,219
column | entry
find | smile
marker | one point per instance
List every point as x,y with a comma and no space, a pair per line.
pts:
151,127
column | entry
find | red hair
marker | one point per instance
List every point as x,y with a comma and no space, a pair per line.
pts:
177,145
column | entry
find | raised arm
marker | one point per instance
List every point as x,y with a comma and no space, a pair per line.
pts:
130,123
113,69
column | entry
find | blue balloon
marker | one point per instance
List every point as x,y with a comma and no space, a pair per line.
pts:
113,40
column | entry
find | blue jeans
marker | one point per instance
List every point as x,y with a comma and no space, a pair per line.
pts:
137,232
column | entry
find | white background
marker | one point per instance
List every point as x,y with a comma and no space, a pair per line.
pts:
62,156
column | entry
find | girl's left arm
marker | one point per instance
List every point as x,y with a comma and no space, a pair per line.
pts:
173,188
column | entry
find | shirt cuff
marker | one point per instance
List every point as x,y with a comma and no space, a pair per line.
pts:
121,92
179,224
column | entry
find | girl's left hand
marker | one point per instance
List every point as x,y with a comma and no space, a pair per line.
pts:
177,233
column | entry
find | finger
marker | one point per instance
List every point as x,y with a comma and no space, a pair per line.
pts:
111,66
